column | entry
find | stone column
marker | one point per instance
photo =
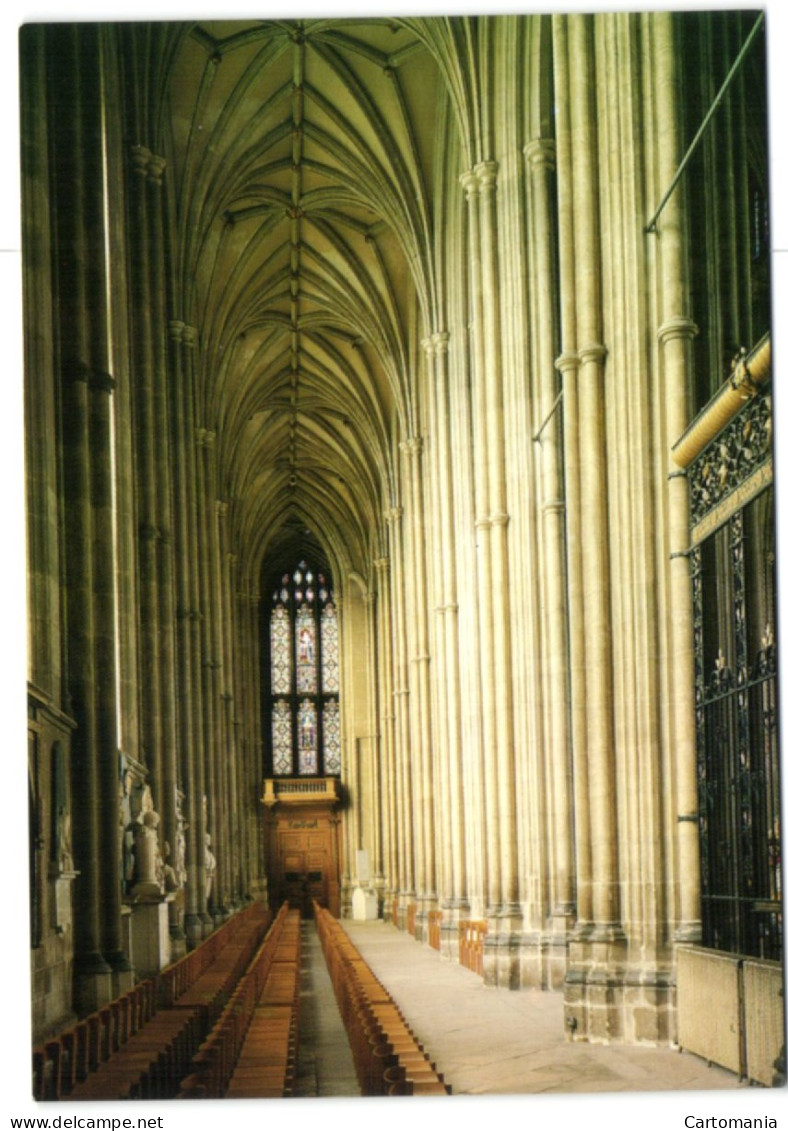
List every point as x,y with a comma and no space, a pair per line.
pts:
487,174
486,583
405,798
236,802
455,903
390,858
568,364
593,500
209,802
197,921
166,799
675,336
540,158
180,447
83,342
144,433
92,972
374,834
421,747
105,645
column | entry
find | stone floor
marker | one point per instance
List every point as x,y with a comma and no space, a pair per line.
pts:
503,1053
325,1064
496,1042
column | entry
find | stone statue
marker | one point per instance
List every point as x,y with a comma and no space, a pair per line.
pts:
171,883
148,862
180,857
210,867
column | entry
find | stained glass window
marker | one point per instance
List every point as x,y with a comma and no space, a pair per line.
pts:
281,735
330,651
306,667
304,674
307,738
331,748
281,659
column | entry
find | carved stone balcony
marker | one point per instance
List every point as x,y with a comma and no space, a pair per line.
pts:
300,791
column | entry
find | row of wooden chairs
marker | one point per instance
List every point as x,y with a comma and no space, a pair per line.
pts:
389,1059
472,933
434,919
140,1044
250,1052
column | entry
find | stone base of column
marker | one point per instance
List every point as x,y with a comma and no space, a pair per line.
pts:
594,986
451,913
93,987
150,936
389,895
178,944
424,904
123,981
192,925
403,903
346,899
258,890
561,924
207,924
503,949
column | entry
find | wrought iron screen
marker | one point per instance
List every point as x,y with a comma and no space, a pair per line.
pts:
736,694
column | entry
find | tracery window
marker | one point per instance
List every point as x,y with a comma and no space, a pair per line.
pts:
304,675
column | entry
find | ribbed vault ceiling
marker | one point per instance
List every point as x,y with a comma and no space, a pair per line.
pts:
301,156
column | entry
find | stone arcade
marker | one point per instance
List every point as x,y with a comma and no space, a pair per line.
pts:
400,525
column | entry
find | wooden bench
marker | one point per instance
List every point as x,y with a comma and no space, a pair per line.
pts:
388,1057
251,1050
140,1045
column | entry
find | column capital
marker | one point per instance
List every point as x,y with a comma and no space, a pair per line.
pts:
156,167
678,327
381,564
427,346
175,328
205,438
499,519
593,352
567,362
140,155
470,183
189,335
413,446
102,382
222,508
487,174
440,341
540,151
392,515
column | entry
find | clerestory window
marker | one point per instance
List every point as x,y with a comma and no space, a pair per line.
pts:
304,679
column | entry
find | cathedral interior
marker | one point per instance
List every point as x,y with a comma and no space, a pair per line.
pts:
400,510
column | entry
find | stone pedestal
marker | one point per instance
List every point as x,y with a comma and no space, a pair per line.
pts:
150,936
63,882
365,903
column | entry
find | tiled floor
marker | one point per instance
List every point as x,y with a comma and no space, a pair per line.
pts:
488,1041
